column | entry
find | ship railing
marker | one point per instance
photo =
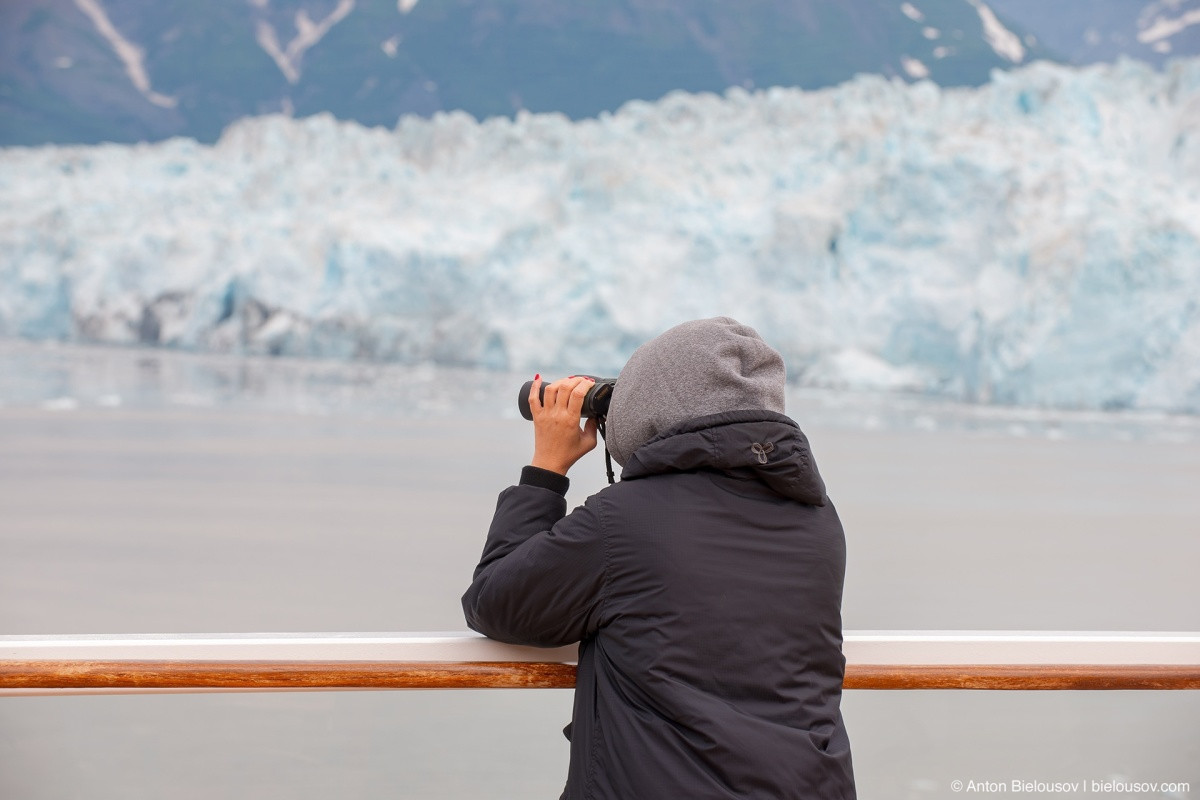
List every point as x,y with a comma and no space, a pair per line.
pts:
237,662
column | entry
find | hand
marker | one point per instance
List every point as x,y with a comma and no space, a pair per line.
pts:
558,441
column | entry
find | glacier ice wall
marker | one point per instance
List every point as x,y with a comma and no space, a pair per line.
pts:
1034,241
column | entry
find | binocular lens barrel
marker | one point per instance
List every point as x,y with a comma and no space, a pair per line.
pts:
595,404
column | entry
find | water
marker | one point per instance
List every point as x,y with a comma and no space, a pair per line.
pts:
358,499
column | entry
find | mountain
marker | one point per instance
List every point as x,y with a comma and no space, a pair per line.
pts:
85,71
1087,31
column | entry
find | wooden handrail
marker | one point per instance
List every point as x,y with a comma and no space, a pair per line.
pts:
1009,660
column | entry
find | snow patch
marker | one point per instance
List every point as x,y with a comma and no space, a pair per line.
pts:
131,56
1163,28
308,33
1004,42
914,68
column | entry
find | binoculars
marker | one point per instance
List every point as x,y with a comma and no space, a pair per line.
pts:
595,404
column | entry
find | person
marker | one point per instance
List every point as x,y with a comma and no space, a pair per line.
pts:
704,587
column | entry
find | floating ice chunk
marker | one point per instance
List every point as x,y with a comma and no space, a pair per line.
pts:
61,404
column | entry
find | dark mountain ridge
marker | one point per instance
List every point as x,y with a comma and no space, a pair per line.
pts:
84,71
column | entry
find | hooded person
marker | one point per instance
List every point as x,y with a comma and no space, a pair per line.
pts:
704,588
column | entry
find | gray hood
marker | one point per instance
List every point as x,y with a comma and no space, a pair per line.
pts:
699,368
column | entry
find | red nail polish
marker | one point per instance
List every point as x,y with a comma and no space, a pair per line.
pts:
570,376
537,377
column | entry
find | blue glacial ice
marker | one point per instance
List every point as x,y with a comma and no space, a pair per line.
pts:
1035,241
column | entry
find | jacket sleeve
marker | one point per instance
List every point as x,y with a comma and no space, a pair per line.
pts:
541,578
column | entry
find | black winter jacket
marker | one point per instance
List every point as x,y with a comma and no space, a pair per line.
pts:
705,591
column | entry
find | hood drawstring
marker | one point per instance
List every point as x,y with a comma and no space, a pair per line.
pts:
601,425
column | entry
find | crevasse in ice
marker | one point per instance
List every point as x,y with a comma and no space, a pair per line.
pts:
1033,241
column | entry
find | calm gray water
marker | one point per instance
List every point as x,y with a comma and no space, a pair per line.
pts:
192,516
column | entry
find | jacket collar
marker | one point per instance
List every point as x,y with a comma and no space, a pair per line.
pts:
765,444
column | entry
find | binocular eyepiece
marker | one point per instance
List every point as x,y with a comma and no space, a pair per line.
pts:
595,403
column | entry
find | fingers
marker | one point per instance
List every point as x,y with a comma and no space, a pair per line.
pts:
578,393
567,394
558,439
553,390
535,403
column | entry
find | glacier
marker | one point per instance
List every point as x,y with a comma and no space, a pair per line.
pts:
1035,241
